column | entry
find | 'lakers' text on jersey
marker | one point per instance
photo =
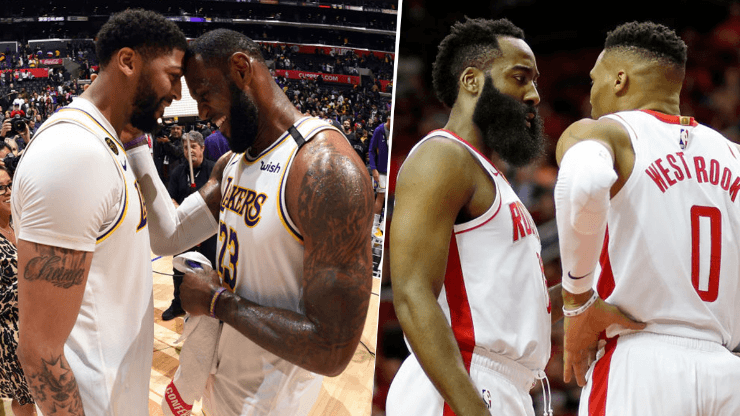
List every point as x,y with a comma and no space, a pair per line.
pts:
260,257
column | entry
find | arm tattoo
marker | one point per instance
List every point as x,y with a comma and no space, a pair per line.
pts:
53,268
332,206
335,212
55,387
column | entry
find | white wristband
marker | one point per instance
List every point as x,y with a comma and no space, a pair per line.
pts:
582,308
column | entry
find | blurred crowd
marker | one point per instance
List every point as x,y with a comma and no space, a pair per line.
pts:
711,94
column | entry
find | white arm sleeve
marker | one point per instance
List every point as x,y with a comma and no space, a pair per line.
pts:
585,179
171,230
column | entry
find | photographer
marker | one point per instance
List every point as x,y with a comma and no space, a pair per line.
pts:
16,128
167,148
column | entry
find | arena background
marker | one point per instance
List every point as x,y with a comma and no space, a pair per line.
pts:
566,37
333,57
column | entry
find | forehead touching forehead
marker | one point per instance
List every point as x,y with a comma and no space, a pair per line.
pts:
200,76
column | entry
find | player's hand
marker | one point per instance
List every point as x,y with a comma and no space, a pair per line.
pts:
582,337
196,291
6,127
376,175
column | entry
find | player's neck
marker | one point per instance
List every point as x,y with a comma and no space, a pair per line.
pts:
657,101
464,127
103,93
276,115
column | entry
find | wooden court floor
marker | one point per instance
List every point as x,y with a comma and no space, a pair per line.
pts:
348,394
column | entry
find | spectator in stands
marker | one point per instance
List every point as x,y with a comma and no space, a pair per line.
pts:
378,154
216,144
168,151
17,111
179,187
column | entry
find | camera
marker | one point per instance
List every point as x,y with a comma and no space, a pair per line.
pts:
18,125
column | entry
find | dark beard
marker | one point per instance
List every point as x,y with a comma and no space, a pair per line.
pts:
501,119
242,119
146,104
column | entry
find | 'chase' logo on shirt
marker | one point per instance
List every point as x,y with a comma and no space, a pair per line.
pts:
270,167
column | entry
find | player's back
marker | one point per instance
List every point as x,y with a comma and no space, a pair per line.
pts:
672,236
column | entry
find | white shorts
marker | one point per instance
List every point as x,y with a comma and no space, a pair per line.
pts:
381,183
657,375
503,384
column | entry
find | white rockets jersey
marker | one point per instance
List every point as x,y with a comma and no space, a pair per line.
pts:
673,229
260,257
110,346
495,293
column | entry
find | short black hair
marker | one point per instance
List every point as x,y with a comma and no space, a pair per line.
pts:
470,43
216,47
144,31
651,40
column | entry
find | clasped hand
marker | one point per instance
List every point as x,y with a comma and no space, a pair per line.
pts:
196,291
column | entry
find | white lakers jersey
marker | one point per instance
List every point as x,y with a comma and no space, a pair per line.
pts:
671,253
260,257
74,189
495,293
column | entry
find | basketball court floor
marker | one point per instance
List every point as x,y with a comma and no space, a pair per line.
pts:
348,394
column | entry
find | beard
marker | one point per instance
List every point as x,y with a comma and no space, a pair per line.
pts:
146,104
243,117
502,119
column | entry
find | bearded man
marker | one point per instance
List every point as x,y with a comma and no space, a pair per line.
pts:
84,258
468,285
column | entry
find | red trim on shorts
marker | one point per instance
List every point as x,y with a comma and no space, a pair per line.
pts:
672,119
461,316
605,285
600,381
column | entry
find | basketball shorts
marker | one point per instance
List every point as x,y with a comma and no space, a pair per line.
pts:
502,383
278,394
656,375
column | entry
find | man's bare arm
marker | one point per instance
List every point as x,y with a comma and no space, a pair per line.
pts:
51,284
428,200
329,196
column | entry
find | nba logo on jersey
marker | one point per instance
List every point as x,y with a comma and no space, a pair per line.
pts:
487,398
683,139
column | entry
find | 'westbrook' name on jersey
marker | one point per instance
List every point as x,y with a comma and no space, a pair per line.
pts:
244,202
675,168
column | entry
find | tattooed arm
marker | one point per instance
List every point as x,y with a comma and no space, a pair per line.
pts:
329,197
50,287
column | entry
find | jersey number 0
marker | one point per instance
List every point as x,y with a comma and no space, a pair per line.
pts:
706,284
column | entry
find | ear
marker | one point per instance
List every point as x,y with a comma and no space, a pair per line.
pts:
621,82
127,60
471,80
240,69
